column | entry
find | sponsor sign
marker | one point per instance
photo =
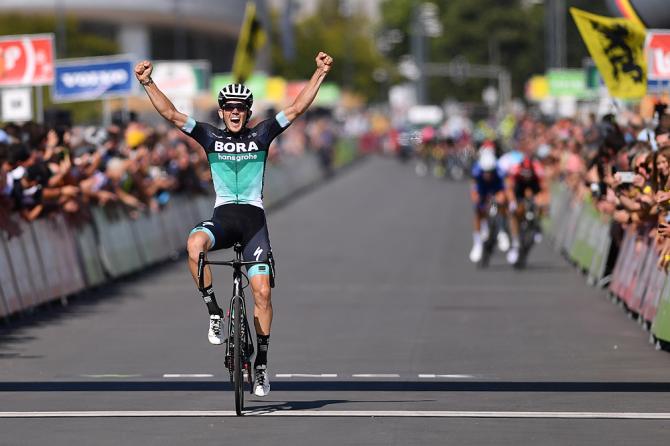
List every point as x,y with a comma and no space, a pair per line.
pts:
537,88
91,79
567,83
26,60
329,94
276,89
184,79
257,83
16,104
657,49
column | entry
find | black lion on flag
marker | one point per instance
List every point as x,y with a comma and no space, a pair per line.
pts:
619,52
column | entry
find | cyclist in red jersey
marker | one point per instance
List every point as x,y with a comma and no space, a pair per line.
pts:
525,180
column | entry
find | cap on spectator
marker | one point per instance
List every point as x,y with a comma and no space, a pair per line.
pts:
135,137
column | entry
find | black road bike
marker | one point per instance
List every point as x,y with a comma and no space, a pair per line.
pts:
239,343
496,223
528,227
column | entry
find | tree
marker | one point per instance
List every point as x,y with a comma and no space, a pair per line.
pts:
505,32
77,43
348,39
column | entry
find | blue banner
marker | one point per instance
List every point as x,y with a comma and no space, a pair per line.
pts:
91,79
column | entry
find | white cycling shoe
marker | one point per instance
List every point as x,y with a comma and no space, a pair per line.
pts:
513,255
476,252
484,231
214,334
261,381
503,241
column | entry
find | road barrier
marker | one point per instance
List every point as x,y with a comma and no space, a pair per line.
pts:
582,234
52,259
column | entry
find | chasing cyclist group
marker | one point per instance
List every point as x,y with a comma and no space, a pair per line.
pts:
507,180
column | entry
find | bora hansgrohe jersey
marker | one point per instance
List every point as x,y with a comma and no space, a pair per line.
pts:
237,161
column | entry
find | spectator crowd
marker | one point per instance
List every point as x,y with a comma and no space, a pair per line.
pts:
621,163
135,166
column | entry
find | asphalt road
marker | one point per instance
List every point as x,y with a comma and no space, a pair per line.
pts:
381,324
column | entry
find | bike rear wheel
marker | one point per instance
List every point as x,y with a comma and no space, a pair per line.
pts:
238,371
527,241
489,244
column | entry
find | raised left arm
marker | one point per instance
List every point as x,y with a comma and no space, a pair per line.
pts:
323,64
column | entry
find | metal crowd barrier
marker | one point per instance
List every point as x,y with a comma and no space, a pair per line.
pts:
52,259
636,282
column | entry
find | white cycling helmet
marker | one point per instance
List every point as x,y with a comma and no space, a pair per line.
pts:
236,92
487,160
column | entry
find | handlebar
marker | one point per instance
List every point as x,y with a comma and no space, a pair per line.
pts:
236,264
233,263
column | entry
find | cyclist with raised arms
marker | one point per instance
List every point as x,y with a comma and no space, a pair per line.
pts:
237,156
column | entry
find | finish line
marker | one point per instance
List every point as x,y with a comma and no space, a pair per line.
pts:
342,413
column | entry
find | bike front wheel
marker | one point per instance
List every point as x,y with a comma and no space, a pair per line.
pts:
238,372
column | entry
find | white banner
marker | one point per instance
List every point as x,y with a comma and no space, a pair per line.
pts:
181,78
17,104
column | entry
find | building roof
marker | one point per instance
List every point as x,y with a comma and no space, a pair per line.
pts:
215,16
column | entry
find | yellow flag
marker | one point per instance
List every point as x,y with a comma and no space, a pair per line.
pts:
252,38
617,48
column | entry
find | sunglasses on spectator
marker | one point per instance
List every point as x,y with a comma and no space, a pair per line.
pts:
230,106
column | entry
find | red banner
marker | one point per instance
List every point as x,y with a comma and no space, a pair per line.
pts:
26,60
658,55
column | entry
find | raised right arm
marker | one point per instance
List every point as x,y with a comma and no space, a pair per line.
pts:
160,102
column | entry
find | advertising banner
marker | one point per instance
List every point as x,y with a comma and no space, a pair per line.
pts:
568,83
657,49
657,52
257,83
92,79
537,88
26,60
182,79
329,95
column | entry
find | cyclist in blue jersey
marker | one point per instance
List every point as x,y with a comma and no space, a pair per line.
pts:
237,155
487,184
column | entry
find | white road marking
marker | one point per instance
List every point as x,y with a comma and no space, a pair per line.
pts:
376,375
286,375
306,375
343,413
188,375
110,375
453,376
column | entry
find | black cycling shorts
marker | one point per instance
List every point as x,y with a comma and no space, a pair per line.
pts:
243,223
521,186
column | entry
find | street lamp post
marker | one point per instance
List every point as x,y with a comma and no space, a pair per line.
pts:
554,33
425,23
